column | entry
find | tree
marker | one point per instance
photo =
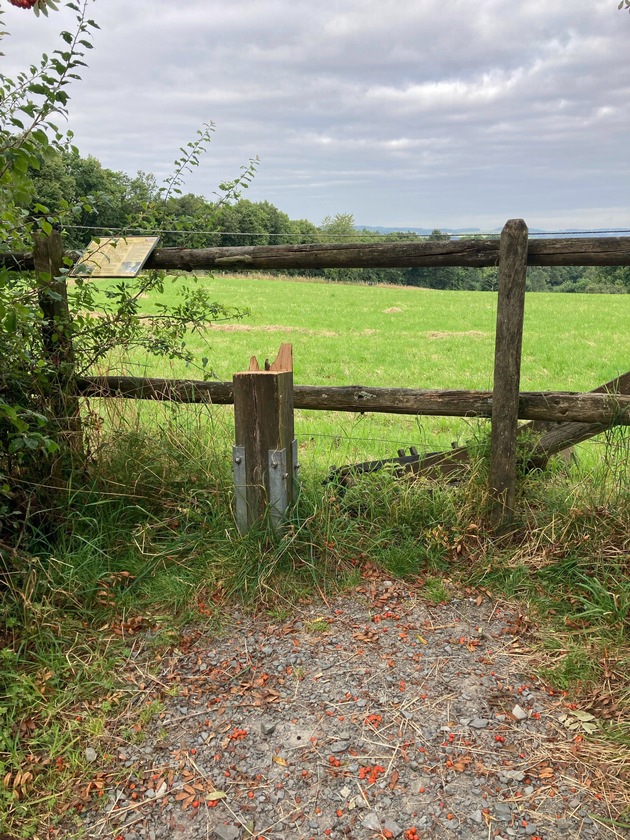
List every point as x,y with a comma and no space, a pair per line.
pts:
436,235
338,228
28,137
38,163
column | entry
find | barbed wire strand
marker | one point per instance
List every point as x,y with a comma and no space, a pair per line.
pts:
346,236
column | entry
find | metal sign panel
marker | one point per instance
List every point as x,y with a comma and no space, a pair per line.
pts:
121,256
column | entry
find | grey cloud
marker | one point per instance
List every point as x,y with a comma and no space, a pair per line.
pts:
423,113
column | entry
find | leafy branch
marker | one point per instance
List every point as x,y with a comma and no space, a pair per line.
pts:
46,82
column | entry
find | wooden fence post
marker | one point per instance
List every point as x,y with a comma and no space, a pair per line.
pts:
265,455
507,370
57,343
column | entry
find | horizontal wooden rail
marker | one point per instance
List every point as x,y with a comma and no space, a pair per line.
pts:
554,406
474,253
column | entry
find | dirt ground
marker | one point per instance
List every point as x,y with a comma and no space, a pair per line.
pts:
374,715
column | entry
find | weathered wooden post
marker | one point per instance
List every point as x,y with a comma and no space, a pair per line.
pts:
57,343
507,370
265,454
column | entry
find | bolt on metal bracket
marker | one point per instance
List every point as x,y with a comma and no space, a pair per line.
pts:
240,489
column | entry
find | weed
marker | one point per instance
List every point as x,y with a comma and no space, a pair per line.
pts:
279,614
317,625
435,591
572,669
605,600
154,708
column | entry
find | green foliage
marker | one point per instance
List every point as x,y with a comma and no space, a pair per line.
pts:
27,134
44,183
28,138
91,199
99,198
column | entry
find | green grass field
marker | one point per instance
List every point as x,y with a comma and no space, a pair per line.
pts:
393,336
144,538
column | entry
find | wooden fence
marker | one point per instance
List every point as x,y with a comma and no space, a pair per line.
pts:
265,457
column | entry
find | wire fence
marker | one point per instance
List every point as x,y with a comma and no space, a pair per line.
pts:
355,236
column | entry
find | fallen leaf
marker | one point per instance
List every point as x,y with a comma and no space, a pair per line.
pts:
580,715
462,763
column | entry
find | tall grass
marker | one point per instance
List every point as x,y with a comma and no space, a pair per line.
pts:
145,542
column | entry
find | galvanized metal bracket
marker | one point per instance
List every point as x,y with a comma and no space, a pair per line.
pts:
278,483
240,489
278,496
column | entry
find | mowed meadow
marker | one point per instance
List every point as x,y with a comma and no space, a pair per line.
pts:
394,336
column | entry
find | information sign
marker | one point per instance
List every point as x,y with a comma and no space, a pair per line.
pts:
122,256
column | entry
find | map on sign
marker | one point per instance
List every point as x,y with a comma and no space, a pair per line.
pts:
121,256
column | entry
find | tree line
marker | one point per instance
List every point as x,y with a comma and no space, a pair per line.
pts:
96,201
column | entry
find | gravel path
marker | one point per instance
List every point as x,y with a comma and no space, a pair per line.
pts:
375,715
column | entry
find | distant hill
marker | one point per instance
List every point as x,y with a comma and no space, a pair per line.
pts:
457,232
418,231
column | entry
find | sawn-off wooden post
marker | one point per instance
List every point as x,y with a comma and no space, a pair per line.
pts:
265,454
507,370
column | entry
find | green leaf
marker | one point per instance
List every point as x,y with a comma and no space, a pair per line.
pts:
10,322
580,715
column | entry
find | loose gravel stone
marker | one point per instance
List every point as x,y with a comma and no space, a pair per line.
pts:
390,718
339,747
226,832
90,755
371,822
392,827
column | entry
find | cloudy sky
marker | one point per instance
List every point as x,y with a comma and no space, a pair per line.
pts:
419,113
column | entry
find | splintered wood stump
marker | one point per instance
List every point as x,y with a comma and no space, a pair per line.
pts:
265,454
